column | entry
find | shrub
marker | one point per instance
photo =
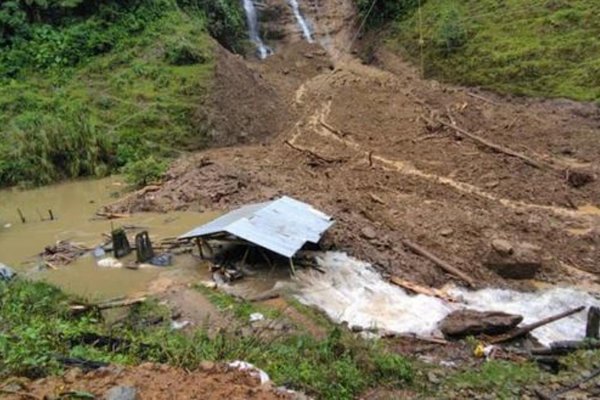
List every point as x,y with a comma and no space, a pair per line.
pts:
184,53
142,172
450,33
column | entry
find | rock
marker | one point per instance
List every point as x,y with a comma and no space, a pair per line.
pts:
514,261
469,322
433,377
6,273
72,375
207,365
121,393
503,247
368,233
446,231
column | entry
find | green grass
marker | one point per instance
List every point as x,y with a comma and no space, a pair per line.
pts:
142,98
36,329
547,48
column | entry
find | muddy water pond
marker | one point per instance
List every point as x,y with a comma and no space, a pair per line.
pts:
73,205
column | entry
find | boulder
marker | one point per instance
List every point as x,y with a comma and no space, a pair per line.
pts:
512,260
469,322
368,233
121,393
6,273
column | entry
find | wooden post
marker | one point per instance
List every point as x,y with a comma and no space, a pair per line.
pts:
199,244
23,220
51,214
292,267
592,329
245,256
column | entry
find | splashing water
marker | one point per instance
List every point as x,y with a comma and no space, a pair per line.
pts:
301,21
351,291
253,33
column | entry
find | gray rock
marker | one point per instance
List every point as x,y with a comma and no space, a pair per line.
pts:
121,393
368,233
469,322
6,273
514,261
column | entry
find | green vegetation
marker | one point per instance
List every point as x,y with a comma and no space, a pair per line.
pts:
504,379
547,48
87,88
37,329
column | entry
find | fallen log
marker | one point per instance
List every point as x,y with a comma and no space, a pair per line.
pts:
413,287
111,215
566,347
573,386
106,305
494,146
312,153
440,263
522,331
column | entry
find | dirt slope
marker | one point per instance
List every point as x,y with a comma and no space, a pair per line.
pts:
371,145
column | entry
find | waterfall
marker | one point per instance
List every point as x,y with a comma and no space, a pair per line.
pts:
301,21
253,32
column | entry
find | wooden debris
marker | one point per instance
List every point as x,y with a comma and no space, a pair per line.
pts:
573,386
413,287
23,220
62,253
496,147
330,128
592,328
313,154
111,215
440,263
485,99
107,305
377,199
524,330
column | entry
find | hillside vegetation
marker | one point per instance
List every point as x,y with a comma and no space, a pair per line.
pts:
546,48
90,87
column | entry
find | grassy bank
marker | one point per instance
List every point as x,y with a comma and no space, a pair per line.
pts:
548,48
93,90
37,331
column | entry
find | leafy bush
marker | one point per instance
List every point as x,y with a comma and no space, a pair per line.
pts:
43,149
184,53
142,172
450,33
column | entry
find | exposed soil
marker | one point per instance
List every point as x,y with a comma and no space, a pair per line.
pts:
366,145
153,381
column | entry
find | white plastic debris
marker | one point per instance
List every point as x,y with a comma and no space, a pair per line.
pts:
110,262
254,317
256,372
177,325
8,225
351,291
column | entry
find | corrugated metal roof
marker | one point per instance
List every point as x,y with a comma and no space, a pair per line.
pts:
282,226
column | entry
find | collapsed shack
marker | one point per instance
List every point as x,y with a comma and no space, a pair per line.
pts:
277,228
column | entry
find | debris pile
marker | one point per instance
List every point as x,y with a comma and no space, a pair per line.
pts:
62,253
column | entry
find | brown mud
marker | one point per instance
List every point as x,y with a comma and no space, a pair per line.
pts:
365,146
154,381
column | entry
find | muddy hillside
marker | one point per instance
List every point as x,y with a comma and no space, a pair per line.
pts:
466,174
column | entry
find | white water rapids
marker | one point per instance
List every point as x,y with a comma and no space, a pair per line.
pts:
302,23
351,291
253,30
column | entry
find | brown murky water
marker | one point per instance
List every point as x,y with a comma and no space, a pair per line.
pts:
73,205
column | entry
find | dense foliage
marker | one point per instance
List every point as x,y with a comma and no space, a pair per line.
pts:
546,48
89,87
378,12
